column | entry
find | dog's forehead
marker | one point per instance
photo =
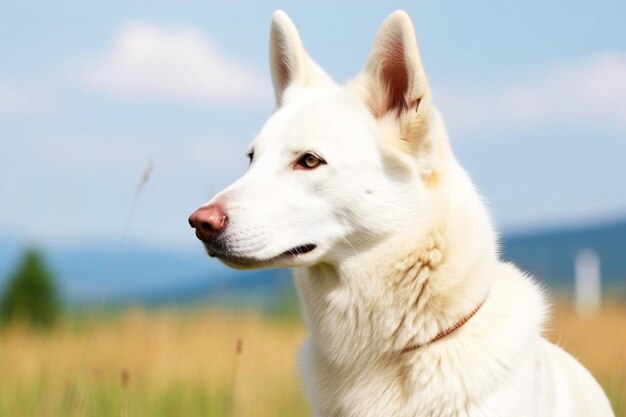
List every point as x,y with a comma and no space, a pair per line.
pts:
321,116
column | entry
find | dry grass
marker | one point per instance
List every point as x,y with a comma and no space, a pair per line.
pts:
599,342
158,364
174,364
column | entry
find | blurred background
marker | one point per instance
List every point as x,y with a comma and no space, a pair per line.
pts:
117,121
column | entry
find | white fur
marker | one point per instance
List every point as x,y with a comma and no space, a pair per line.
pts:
405,249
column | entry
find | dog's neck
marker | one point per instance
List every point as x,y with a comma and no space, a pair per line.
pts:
365,308
446,332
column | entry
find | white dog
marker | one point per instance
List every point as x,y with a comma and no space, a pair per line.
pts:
410,310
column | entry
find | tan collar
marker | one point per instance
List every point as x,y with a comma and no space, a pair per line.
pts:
446,332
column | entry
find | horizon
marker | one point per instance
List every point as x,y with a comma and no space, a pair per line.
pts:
104,274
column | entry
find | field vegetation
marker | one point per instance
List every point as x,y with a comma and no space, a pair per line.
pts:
209,363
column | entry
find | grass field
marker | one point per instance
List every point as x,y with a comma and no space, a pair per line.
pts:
207,363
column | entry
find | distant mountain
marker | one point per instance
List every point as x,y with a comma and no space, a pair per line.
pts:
108,275
101,273
549,255
264,289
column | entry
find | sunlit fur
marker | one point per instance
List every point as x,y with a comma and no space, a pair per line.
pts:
405,249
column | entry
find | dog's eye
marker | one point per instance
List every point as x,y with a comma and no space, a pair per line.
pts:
308,161
250,156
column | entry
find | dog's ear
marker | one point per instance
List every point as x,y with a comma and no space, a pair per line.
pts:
290,64
396,86
395,77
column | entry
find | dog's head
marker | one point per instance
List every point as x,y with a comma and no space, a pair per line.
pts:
335,169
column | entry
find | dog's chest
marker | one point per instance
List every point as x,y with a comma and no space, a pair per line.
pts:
386,389
438,382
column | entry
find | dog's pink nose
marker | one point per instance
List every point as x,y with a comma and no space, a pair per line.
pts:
208,221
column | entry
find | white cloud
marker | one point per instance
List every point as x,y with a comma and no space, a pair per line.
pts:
214,155
587,93
165,63
17,101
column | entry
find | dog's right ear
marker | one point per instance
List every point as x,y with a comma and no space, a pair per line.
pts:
290,64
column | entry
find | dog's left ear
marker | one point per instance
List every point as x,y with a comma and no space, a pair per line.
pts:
395,82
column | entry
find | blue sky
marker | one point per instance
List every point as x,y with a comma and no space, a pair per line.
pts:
534,95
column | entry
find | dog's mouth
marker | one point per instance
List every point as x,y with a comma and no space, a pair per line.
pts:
248,262
299,250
